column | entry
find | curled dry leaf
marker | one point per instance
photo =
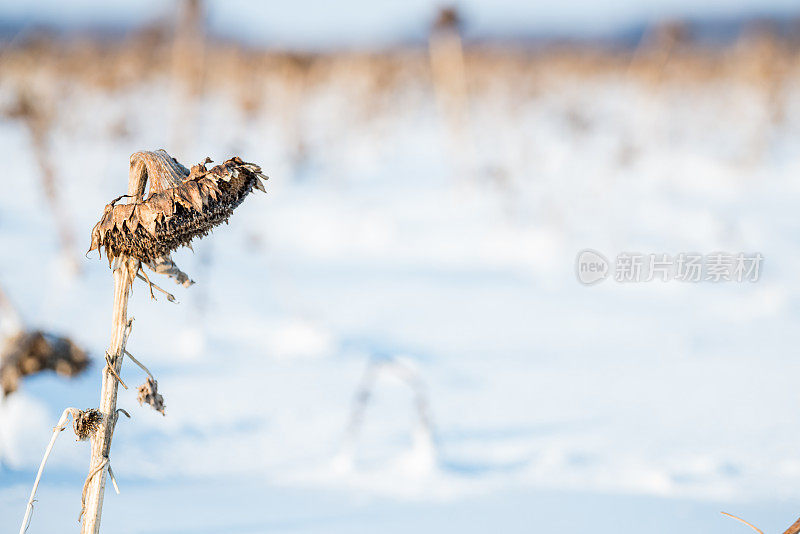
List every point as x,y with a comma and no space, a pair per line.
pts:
181,205
27,353
165,265
148,394
85,423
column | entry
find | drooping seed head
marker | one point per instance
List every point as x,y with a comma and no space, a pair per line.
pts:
181,206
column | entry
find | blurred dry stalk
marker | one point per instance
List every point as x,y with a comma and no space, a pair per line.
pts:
766,63
149,54
294,72
423,433
242,71
658,44
39,119
189,47
188,70
450,85
767,66
649,62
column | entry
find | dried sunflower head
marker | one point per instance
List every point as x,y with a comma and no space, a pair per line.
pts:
182,204
86,423
31,352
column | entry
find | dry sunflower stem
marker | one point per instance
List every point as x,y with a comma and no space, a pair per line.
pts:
180,206
104,463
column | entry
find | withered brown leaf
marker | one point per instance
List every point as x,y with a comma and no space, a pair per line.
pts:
148,394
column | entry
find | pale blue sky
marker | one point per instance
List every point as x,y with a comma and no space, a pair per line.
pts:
356,22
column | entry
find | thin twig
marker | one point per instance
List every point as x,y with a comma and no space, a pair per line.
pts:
61,425
110,368
170,296
743,521
146,279
124,276
128,328
140,364
113,478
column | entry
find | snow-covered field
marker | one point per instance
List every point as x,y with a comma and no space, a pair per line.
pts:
555,407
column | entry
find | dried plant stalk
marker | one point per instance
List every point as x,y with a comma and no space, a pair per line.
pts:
84,423
794,528
410,376
448,69
124,276
56,431
739,519
180,206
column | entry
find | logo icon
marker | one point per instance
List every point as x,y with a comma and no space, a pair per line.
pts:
591,267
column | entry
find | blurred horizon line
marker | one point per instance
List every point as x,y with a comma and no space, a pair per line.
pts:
706,31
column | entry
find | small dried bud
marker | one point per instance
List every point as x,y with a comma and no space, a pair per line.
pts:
85,423
148,394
